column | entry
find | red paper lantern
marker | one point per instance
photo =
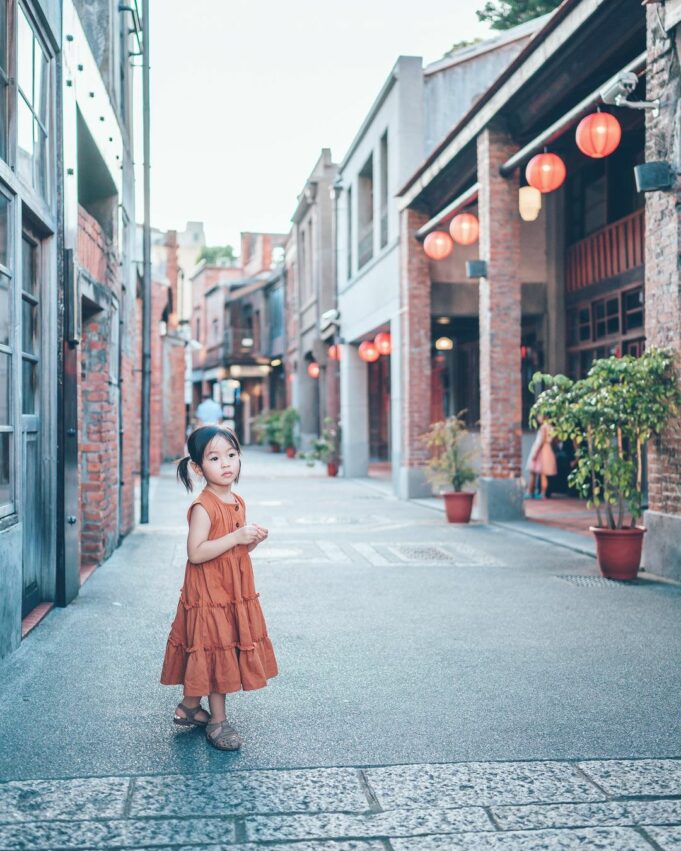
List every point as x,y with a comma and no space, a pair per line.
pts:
465,228
313,369
598,134
438,245
368,352
545,172
383,343
334,352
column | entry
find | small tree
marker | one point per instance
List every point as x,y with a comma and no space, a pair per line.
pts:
215,254
504,14
449,463
609,416
289,421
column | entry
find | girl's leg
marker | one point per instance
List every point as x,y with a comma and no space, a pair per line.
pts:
531,484
217,707
544,485
192,703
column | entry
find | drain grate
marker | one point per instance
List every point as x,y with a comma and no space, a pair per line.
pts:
420,553
595,581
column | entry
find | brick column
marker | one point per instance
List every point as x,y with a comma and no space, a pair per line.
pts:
500,332
413,350
662,554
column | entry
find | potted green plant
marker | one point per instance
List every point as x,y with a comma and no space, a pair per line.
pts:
289,421
325,448
610,415
449,466
272,429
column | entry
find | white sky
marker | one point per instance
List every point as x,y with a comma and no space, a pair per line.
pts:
245,93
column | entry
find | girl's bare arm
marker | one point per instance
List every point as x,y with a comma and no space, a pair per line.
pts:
200,549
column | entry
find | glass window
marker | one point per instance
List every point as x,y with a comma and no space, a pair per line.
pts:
4,79
5,391
633,309
33,79
584,324
30,319
5,467
4,310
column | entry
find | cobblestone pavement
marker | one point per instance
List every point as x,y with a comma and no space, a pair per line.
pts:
440,688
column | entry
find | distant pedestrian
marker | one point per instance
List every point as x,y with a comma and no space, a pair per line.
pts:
208,412
218,642
541,462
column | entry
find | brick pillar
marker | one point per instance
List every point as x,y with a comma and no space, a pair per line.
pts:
500,332
413,349
662,554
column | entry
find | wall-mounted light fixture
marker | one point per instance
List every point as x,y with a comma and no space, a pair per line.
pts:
476,268
653,176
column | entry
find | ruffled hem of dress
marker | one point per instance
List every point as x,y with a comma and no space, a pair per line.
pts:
221,670
187,606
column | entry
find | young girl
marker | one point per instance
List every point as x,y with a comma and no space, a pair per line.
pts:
541,462
218,642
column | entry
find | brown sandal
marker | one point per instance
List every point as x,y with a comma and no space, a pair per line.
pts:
223,736
190,720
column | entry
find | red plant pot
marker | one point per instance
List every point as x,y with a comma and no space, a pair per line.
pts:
458,506
290,452
619,551
332,468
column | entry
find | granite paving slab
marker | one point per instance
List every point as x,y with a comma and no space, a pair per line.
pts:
589,839
343,845
249,792
391,823
478,783
668,838
629,777
40,836
588,815
80,799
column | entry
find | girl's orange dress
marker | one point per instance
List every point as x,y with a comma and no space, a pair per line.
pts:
218,641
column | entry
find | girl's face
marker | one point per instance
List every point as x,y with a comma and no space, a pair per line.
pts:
221,463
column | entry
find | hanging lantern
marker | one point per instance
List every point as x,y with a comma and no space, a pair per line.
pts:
334,352
313,369
464,228
546,172
368,352
529,203
598,134
383,343
438,245
444,344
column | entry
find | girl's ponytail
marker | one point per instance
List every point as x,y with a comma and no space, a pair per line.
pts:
183,472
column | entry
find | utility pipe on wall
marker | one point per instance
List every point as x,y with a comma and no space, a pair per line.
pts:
146,278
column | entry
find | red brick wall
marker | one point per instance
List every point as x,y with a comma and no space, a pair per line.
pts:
663,245
98,413
500,311
416,343
131,402
173,398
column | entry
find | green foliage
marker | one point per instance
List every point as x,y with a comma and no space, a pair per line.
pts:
289,421
610,415
213,254
449,463
268,428
324,447
504,14
461,45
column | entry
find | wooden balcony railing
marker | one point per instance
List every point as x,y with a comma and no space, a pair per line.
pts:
606,253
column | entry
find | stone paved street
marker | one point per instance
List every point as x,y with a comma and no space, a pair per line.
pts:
440,688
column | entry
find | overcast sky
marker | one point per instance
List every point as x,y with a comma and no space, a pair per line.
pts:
244,95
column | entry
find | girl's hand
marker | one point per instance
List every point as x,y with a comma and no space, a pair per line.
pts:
247,535
262,535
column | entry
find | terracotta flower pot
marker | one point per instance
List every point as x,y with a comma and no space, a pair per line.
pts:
332,468
619,551
290,451
458,506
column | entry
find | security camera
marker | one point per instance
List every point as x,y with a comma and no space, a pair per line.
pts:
619,88
616,91
329,318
